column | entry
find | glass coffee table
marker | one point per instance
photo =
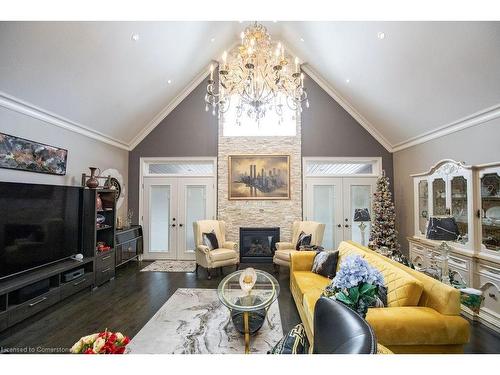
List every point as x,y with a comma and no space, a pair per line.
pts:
248,310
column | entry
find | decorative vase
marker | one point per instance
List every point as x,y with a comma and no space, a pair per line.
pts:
98,202
93,182
247,280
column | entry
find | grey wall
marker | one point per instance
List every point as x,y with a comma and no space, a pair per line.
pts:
187,131
82,151
476,145
328,130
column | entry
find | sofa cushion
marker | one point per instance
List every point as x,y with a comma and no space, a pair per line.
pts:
218,255
309,303
346,249
306,281
294,342
325,263
402,288
417,326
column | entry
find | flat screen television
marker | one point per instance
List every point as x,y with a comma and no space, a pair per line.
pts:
39,225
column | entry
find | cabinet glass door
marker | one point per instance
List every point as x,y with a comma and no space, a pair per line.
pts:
324,204
423,206
439,197
490,208
459,210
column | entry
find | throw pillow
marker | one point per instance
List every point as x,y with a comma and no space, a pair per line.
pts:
303,240
325,263
294,342
210,240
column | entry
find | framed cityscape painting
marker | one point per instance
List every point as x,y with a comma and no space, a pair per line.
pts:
253,177
25,155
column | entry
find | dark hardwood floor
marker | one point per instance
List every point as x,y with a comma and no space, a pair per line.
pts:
126,303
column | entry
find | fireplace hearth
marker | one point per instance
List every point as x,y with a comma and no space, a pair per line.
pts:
258,244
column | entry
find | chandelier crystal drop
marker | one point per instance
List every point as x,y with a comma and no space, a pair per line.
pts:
259,76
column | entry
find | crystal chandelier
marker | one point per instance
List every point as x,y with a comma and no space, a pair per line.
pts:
259,76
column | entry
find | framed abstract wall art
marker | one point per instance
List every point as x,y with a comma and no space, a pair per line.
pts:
25,155
255,177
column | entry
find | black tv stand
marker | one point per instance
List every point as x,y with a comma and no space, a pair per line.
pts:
12,313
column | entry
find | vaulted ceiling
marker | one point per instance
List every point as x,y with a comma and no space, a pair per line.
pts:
416,81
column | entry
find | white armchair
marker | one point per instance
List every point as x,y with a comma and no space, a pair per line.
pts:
226,255
284,249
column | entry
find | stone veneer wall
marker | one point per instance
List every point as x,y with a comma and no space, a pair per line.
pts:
260,213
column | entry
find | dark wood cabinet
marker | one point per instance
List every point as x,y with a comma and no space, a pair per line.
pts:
28,308
74,286
104,267
3,321
128,244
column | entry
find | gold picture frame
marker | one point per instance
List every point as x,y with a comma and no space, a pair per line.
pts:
259,177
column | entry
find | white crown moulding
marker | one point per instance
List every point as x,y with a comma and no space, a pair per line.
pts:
20,106
475,119
169,108
28,109
347,106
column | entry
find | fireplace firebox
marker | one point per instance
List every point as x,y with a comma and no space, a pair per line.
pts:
258,244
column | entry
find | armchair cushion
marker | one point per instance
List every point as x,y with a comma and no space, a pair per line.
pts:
283,254
210,240
284,246
230,245
303,240
204,249
218,255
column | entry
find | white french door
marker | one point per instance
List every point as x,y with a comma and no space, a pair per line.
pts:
333,201
324,204
170,206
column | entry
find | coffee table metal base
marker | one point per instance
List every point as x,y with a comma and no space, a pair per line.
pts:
248,323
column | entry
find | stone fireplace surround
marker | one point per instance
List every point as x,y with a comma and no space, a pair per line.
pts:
259,213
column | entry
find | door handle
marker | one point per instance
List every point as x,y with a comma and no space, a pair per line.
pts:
347,225
339,225
181,225
173,225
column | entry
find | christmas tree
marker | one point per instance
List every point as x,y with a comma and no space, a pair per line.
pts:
383,231
383,235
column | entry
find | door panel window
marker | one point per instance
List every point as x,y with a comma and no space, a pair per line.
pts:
324,212
196,209
159,218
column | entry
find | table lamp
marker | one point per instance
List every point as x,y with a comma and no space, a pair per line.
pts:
443,229
361,215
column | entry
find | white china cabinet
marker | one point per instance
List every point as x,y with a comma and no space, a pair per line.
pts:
471,194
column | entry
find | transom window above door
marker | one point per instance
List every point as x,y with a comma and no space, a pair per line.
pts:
178,167
329,167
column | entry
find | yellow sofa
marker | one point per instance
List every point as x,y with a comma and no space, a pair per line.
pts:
422,316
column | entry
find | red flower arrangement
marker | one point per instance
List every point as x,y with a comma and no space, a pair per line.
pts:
101,343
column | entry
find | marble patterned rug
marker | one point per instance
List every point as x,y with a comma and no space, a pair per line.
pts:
170,266
194,321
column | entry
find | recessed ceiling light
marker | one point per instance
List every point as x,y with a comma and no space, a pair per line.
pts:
301,39
135,37
169,81
347,80
381,35
212,40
